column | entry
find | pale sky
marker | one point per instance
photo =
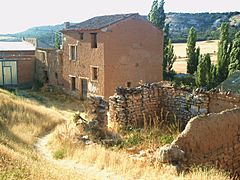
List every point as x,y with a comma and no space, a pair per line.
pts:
18,15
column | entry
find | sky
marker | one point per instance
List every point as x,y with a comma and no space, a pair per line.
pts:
19,15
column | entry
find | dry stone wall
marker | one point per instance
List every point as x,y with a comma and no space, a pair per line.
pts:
213,140
222,101
136,106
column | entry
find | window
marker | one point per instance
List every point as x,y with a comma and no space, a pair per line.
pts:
73,53
94,73
81,36
73,83
94,40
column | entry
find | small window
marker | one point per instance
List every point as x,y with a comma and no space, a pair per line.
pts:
73,83
73,53
94,40
81,36
94,73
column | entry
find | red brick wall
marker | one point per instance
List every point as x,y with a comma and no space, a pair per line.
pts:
26,70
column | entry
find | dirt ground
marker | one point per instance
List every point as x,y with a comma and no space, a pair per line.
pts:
180,66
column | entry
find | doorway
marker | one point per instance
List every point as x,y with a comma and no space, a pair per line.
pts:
73,83
84,89
8,73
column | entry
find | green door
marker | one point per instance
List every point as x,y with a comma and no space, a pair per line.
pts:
1,74
7,78
8,73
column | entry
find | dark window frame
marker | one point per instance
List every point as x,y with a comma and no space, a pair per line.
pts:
93,40
95,73
73,48
81,36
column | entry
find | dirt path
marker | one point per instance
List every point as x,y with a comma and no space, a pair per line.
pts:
91,171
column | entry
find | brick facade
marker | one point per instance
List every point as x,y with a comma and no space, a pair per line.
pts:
130,50
25,66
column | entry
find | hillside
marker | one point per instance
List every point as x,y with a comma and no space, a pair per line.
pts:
206,24
21,123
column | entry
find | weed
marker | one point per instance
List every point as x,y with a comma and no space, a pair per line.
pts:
166,139
59,154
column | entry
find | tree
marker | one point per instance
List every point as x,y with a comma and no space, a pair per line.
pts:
168,61
203,73
235,55
57,41
157,15
223,55
192,52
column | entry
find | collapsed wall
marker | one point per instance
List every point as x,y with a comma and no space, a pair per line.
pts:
213,140
134,106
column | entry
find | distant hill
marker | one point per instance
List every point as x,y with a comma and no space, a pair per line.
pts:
206,24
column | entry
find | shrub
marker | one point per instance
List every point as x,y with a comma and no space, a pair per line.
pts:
184,81
59,154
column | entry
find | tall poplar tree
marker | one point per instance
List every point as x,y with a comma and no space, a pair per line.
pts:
192,52
235,55
157,17
203,73
223,53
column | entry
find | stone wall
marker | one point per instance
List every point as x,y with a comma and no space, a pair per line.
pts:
222,101
213,140
98,107
141,105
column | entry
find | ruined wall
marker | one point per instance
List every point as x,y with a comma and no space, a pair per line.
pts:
49,66
135,105
213,140
222,101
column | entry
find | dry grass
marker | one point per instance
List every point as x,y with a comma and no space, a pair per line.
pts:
21,122
180,66
118,160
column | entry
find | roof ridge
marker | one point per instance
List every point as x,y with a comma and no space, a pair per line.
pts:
99,22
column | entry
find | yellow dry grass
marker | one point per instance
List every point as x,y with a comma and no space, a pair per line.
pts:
180,66
118,161
21,122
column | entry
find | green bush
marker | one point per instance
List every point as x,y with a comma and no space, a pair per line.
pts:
185,81
59,154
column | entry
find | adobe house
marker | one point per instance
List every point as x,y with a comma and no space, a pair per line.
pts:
17,64
105,52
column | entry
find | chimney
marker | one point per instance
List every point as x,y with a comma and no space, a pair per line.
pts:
66,25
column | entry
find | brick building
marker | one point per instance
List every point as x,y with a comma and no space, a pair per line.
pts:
105,52
17,64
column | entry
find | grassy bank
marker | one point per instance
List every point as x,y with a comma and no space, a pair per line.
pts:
21,122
